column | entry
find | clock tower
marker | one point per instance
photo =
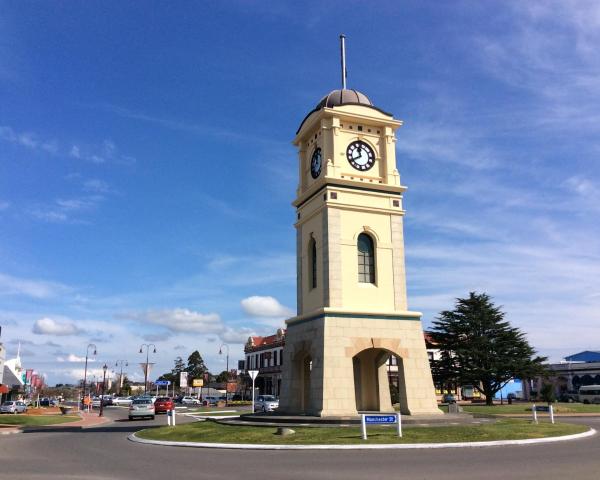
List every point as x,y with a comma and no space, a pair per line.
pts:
353,326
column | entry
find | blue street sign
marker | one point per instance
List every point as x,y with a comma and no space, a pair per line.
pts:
162,383
380,419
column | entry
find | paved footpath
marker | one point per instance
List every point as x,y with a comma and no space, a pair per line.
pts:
104,453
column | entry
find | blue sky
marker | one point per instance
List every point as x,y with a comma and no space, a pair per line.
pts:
146,165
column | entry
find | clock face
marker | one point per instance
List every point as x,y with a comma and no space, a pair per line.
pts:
315,163
360,155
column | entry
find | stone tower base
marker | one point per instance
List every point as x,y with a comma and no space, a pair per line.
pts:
336,364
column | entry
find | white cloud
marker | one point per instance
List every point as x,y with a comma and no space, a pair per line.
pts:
10,285
75,152
257,306
96,185
73,359
237,335
48,326
180,320
62,210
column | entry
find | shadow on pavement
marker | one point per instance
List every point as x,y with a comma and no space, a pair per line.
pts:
110,428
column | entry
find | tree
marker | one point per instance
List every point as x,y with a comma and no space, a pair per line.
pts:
126,390
173,375
195,365
179,366
480,348
222,377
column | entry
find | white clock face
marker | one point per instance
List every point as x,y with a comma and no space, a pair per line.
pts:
360,155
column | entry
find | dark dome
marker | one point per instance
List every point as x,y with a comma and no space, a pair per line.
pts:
338,98
344,97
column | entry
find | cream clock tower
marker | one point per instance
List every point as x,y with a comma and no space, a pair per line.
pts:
352,311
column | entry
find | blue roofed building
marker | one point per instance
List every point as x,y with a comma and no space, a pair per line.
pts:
586,357
567,376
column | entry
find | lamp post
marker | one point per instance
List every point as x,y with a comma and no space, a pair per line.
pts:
147,345
87,352
102,396
227,370
117,364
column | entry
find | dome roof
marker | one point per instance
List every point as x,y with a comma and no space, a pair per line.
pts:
338,98
344,97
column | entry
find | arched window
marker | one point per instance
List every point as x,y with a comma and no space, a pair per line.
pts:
366,259
312,262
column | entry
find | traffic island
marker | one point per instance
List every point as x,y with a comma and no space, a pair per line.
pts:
210,434
37,420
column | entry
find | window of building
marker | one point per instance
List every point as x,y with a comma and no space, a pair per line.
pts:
256,360
366,259
281,357
274,357
312,259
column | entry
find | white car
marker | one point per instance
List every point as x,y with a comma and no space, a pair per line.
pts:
122,401
190,401
141,407
266,403
13,407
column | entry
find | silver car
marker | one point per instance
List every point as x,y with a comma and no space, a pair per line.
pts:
141,407
13,407
119,401
266,403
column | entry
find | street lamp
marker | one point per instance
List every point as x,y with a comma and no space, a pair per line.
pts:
227,369
147,345
117,364
87,352
103,384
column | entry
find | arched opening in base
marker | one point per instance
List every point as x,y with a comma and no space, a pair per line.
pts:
305,384
374,377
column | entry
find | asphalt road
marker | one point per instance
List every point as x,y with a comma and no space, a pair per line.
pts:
105,453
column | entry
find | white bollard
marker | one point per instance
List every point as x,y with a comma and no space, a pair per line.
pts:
363,427
535,420
551,410
399,426
173,419
169,418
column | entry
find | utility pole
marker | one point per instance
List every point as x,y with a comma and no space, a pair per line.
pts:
227,370
147,345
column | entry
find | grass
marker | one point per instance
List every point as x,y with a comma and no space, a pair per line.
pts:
525,408
504,429
37,420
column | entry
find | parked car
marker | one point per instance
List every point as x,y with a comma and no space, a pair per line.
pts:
211,399
13,406
122,401
141,407
266,403
163,405
448,398
190,401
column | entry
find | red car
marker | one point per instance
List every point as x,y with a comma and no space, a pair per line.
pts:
163,405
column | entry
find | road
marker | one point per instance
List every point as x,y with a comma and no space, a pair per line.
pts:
105,453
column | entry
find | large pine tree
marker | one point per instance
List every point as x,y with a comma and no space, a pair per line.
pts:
480,348
195,366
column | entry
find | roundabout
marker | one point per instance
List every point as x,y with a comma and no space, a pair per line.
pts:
104,452
453,433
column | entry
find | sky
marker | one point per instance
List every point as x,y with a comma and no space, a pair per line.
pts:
147,170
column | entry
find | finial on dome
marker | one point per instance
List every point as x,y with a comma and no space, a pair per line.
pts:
343,53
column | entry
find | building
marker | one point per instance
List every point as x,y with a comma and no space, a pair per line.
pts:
13,376
4,389
567,376
265,354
